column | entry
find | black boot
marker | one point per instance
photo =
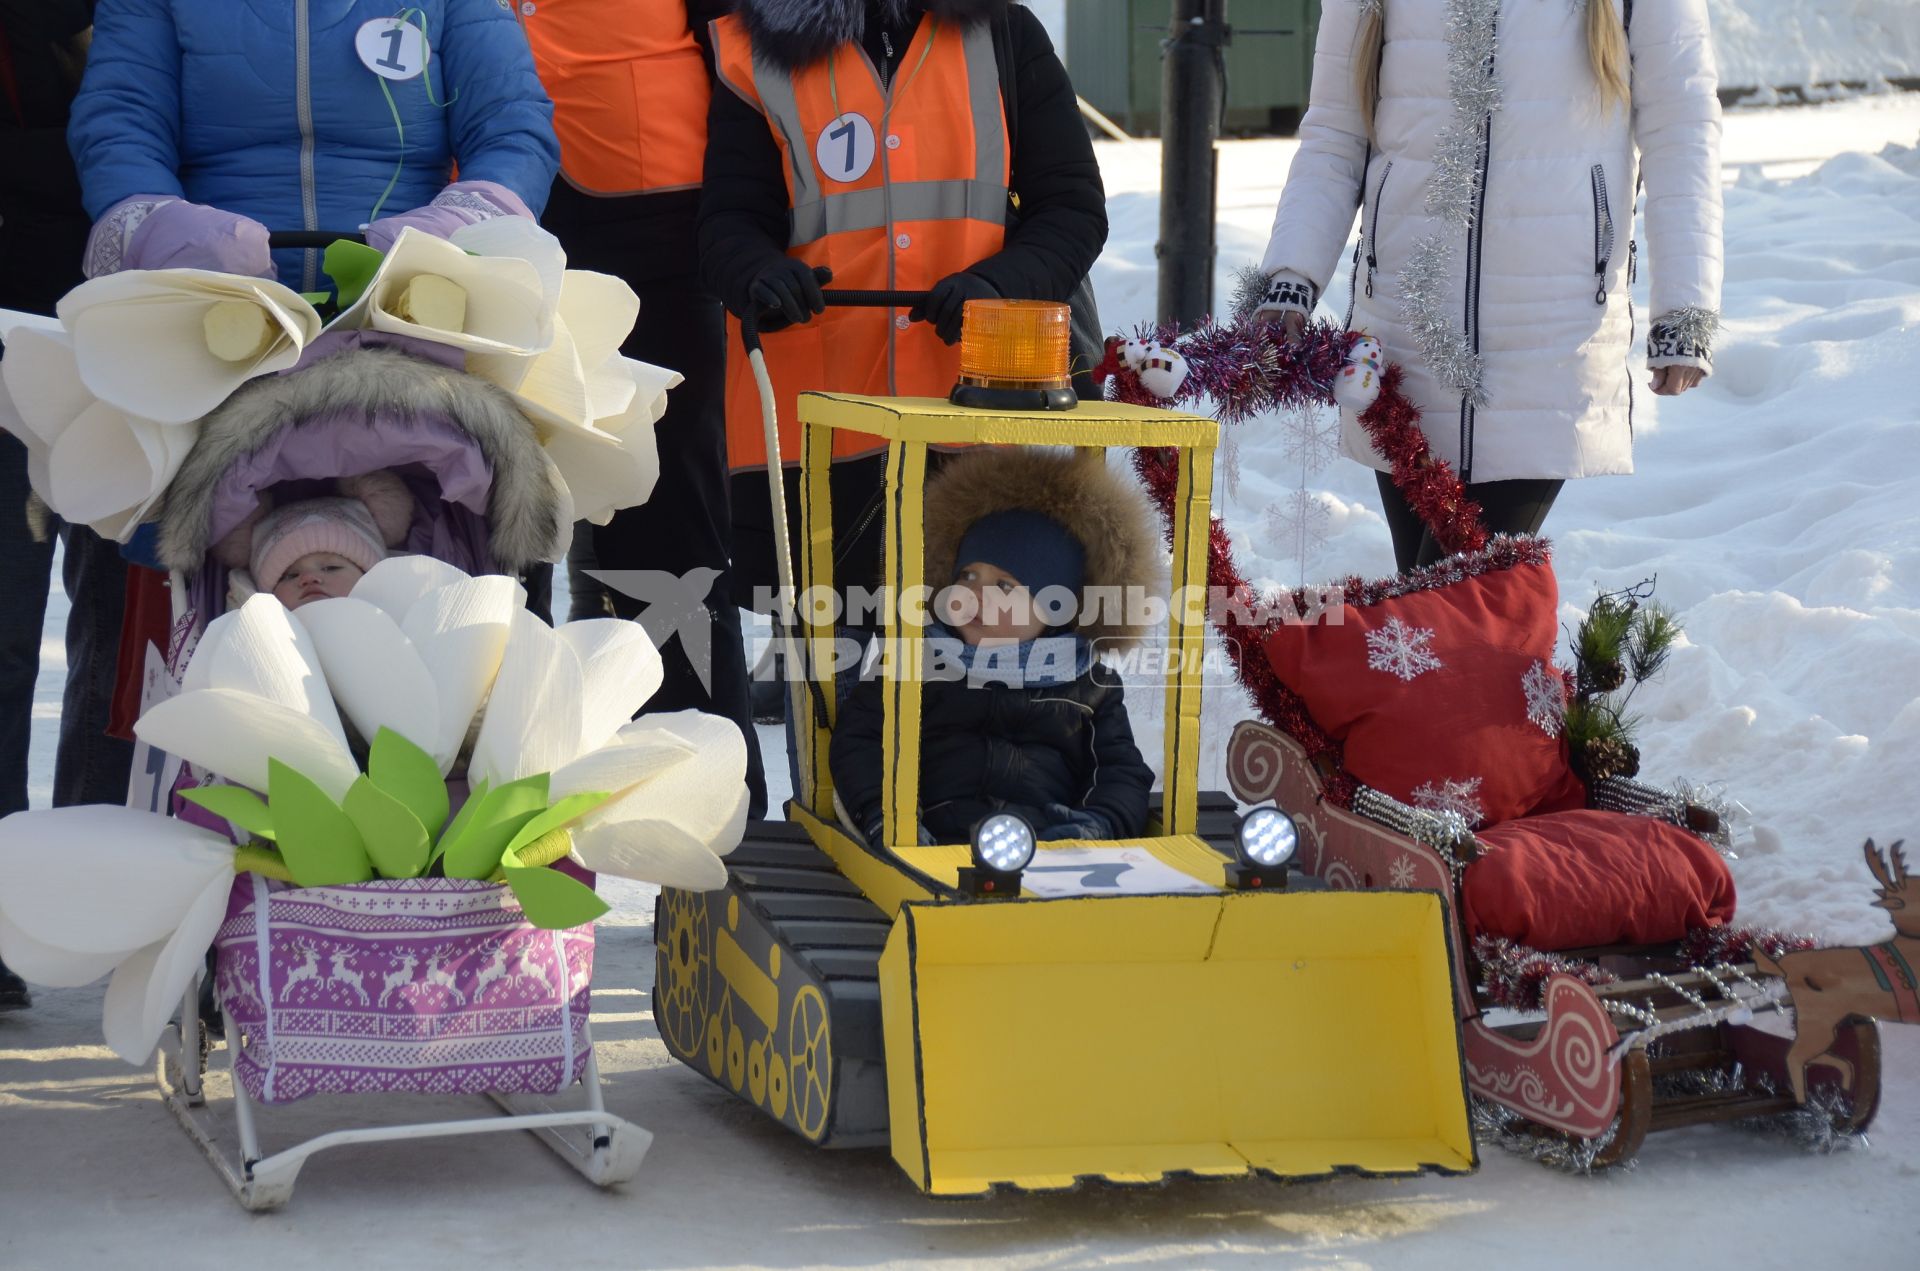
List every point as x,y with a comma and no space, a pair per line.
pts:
13,991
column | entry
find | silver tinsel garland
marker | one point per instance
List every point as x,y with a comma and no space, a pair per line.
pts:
1427,307
1250,283
1502,1126
1692,324
1813,1126
1452,196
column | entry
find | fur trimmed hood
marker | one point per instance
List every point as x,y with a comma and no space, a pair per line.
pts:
1105,510
526,498
791,34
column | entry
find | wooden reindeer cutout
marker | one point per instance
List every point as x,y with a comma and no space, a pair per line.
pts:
1830,986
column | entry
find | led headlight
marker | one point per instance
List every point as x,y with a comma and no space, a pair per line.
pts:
1002,846
1267,839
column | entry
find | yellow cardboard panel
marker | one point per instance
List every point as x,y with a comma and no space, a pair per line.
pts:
1129,1037
932,419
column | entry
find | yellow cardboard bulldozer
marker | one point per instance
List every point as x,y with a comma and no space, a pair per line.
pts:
1123,1012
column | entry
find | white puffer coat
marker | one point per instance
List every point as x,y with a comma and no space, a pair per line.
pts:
1496,246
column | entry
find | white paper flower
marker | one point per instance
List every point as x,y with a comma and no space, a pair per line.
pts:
507,311
91,462
92,889
418,648
142,345
614,464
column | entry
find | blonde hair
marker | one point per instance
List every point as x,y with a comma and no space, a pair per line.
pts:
1606,52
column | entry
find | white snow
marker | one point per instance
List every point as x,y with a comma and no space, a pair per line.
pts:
1773,44
1780,508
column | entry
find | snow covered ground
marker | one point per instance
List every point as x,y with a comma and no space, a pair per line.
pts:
1780,508
1774,44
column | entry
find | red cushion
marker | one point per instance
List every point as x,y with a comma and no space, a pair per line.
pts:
1429,693
1572,879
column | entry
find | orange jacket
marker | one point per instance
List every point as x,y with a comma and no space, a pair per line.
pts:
630,89
892,190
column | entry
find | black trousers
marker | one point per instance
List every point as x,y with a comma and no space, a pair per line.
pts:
1506,507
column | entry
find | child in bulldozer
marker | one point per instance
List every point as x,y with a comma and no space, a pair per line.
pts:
1018,712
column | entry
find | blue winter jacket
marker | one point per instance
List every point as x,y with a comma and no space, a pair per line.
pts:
264,108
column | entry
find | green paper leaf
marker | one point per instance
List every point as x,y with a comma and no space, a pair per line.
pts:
461,820
352,266
552,900
503,811
563,813
241,806
321,845
318,299
405,772
396,841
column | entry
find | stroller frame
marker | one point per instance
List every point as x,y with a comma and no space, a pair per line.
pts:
603,1148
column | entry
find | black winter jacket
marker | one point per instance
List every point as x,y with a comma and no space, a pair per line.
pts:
43,228
996,748
1062,206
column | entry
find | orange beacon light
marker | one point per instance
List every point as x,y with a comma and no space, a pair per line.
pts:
1013,356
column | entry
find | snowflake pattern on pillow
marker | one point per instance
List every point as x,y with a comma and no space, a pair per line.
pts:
1401,650
1546,692
1461,797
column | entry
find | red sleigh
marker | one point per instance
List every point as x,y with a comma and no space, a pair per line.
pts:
1667,1040
1601,1066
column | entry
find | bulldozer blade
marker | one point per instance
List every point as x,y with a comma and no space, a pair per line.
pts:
1038,1043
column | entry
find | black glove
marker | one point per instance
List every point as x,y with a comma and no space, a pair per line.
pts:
788,292
947,300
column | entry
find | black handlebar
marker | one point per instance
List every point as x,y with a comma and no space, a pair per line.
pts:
287,240
845,298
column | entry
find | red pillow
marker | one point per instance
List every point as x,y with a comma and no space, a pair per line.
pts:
1445,698
1573,879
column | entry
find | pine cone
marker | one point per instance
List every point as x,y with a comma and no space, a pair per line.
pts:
1606,757
1602,678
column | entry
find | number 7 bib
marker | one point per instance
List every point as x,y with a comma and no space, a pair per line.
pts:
845,148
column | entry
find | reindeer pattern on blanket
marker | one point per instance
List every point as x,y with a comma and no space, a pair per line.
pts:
428,984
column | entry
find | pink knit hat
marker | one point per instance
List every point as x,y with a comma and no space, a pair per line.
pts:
340,525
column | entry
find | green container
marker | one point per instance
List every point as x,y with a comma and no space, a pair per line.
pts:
1115,65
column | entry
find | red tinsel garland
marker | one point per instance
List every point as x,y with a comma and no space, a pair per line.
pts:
1247,367
1515,976
1244,368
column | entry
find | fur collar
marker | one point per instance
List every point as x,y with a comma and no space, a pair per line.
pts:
1104,509
790,34
523,510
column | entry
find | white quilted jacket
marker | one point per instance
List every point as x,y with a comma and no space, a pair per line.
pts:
1496,244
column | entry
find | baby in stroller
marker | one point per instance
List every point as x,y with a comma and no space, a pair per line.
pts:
319,547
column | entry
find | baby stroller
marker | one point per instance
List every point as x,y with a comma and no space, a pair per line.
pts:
423,985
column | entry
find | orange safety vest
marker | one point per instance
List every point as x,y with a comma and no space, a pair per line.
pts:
630,88
892,190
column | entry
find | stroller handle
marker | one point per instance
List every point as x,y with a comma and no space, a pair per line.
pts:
283,240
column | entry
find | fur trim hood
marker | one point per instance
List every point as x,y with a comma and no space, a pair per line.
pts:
524,506
1102,508
791,34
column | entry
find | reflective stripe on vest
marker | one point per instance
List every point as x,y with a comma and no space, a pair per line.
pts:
630,88
919,192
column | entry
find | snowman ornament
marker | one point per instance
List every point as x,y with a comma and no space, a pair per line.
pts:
1357,386
1162,371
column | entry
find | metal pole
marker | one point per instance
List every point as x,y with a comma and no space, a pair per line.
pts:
1190,99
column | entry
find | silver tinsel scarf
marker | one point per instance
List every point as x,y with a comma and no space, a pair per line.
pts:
1452,195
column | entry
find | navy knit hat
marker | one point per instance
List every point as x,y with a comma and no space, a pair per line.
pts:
1030,545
